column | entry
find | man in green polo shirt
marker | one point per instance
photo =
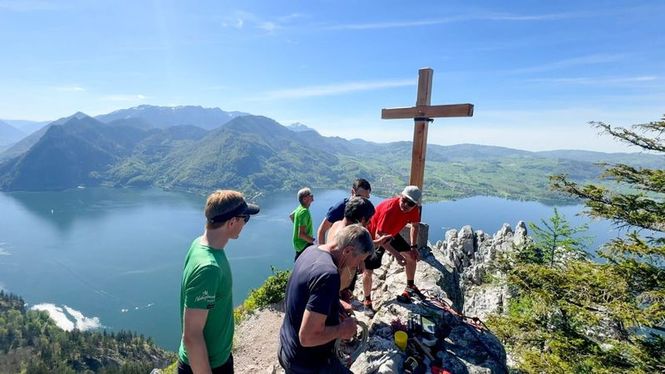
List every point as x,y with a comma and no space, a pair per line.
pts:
302,222
206,301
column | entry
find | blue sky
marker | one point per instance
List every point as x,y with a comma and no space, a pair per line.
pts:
537,71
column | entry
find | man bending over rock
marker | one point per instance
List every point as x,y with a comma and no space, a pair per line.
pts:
312,321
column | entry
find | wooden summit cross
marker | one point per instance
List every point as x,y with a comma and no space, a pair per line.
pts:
422,114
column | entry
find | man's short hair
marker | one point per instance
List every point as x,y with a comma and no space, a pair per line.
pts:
358,208
362,183
357,237
223,205
303,193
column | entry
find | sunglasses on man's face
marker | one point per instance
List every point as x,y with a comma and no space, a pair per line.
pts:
244,217
408,202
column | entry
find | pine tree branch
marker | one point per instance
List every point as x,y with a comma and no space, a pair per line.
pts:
646,179
624,209
633,138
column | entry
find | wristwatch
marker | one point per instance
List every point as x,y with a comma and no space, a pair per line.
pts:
414,246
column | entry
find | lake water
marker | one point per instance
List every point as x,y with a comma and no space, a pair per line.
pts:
113,257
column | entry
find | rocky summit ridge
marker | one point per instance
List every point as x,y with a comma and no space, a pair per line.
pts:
459,271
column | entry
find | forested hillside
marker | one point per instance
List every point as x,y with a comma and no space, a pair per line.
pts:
31,341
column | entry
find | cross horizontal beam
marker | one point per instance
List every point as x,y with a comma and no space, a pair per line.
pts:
429,111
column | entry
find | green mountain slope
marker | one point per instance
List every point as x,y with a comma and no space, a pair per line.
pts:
76,152
256,153
250,152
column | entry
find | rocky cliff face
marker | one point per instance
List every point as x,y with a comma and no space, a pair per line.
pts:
473,256
456,271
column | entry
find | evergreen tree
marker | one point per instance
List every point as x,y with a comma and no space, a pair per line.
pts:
556,239
584,316
638,258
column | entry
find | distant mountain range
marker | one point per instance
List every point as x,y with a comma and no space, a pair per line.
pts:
9,134
136,147
163,117
26,127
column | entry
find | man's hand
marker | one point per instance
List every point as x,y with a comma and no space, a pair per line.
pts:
348,328
381,240
398,256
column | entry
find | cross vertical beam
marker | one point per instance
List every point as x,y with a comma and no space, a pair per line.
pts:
420,129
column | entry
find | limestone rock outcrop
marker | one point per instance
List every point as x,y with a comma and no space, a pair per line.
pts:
460,270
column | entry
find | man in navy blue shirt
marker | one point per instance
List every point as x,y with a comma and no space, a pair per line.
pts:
362,188
311,320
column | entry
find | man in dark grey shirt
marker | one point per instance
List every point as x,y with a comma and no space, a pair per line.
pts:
311,321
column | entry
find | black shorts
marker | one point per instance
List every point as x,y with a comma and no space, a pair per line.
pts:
397,242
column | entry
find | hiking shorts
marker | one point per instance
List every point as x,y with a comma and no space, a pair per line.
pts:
331,366
397,242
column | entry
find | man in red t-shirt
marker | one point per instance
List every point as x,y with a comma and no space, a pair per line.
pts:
390,218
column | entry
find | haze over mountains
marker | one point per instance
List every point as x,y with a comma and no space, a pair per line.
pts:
199,149
163,117
9,134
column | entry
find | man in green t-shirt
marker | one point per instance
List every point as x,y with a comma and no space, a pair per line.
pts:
302,222
206,301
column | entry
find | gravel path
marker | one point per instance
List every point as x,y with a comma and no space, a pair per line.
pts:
257,337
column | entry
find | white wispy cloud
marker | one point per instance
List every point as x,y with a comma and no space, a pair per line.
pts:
291,17
245,20
394,24
535,17
458,18
571,62
236,22
69,88
596,80
267,26
123,97
334,89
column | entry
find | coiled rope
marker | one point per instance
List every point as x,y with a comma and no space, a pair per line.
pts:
348,360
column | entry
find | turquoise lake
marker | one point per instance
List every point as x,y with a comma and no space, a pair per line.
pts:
115,255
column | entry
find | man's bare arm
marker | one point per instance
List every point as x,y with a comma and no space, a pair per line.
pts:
314,332
302,234
323,228
193,322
